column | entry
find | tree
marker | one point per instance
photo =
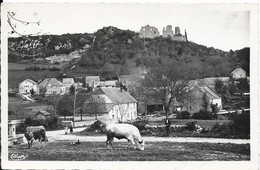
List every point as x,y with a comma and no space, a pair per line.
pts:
219,86
42,91
72,89
65,106
166,80
95,105
205,102
32,92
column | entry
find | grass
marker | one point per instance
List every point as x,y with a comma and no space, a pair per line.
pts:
154,151
202,123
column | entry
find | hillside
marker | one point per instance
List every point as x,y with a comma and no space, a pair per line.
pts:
115,52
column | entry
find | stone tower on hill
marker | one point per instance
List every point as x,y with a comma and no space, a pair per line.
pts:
149,32
152,32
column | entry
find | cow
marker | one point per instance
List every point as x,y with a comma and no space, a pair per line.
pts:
123,131
35,132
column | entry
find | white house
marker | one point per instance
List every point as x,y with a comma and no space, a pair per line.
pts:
68,82
89,80
53,86
238,73
201,96
26,85
115,102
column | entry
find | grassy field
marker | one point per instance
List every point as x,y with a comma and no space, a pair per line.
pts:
154,151
202,123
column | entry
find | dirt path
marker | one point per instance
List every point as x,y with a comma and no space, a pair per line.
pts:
60,136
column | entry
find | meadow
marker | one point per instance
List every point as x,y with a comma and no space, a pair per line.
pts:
154,151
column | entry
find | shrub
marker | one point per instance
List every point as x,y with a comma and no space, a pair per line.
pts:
221,128
204,115
238,127
191,126
183,115
140,124
50,123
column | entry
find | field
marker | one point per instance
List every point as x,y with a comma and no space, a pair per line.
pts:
154,151
202,123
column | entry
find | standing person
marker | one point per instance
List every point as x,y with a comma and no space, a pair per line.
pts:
167,125
71,129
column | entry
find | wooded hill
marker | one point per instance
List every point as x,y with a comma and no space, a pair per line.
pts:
120,52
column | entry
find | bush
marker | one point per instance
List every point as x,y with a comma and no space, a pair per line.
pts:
49,123
238,127
140,124
191,126
204,115
221,128
183,115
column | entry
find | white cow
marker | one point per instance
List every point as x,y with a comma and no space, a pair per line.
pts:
123,131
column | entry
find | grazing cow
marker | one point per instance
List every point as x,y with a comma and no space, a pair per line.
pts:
35,132
123,131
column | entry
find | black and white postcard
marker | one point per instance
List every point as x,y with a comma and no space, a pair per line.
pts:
129,85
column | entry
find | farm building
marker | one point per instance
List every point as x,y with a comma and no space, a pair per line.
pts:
108,83
68,82
27,85
201,97
115,102
53,86
89,80
43,114
238,73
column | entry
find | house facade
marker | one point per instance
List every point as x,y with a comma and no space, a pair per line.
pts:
201,98
116,103
43,114
238,73
27,85
68,82
53,86
90,80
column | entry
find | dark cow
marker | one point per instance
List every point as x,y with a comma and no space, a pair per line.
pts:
35,132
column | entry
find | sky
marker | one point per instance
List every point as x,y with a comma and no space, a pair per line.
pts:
219,26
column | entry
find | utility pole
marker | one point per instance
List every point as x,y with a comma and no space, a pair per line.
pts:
74,110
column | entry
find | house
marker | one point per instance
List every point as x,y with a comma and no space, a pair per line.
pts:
116,103
201,98
43,114
107,83
53,86
89,81
27,85
210,82
238,73
68,82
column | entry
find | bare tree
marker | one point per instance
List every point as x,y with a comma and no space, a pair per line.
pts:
166,80
16,25
95,105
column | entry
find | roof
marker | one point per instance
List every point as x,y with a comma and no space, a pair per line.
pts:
31,81
68,81
237,69
106,83
101,108
43,112
210,93
210,81
92,78
117,95
51,81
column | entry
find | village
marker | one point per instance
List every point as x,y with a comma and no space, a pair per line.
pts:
171,86
111,100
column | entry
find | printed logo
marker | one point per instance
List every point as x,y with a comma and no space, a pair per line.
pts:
16,156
